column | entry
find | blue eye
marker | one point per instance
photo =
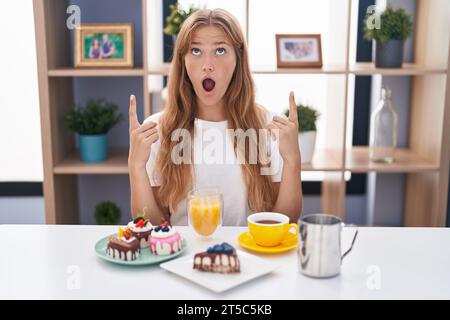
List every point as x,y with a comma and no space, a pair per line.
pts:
195,51
221,51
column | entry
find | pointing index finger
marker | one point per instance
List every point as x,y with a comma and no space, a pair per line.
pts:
292,108
134,122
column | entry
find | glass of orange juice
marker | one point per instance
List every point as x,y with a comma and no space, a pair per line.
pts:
205,207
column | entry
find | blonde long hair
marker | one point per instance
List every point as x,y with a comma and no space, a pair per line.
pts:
180,110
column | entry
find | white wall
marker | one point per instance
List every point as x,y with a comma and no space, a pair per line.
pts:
20,131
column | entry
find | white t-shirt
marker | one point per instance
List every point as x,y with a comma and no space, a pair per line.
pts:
216,166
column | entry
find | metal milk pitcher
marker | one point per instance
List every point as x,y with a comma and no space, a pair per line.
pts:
319,249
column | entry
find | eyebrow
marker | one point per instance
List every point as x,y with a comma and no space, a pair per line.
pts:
215,43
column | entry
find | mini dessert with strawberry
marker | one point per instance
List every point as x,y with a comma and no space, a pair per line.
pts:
221,258
141,229
124,246
165,240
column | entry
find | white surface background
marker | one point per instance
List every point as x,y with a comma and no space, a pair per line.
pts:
20,130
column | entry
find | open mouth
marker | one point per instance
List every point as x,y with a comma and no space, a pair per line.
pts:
208,84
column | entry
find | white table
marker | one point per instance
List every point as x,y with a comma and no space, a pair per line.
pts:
386,263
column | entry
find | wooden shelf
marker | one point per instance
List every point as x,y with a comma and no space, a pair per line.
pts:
164,68
275,70
357,160
324,160
116,164
360,68
110,72
408,69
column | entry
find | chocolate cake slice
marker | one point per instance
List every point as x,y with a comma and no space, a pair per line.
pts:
124,246
221,258
141,229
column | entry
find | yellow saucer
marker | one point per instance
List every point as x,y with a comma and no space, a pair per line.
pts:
246,241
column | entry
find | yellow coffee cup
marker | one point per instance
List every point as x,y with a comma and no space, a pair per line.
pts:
269,229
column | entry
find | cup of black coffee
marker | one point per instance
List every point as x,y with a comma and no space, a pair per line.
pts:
270,229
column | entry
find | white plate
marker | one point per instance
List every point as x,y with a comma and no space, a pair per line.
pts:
251,267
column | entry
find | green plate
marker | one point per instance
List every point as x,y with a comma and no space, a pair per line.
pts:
145,257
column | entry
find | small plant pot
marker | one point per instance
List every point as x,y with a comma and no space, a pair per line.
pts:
93,148
389,54
307,143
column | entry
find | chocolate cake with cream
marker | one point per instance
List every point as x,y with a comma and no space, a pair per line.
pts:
123,246
141,228
221,258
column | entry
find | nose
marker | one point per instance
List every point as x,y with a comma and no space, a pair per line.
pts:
207,65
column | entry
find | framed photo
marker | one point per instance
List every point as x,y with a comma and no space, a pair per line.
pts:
298,50
104,45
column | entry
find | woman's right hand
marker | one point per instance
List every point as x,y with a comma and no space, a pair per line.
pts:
141,138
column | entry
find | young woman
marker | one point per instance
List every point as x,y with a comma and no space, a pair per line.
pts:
95,51
211,88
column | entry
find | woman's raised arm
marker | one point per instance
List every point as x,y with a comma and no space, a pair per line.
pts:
142,193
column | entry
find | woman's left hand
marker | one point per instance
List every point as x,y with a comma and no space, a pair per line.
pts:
288,133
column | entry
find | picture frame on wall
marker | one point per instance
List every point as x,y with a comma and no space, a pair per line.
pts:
299,50
104,45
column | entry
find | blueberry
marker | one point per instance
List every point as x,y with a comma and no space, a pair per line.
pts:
228,250
165,229
226,245
220,248
157,229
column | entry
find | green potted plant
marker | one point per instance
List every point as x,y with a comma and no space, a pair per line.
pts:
307,130
92,123
107,213
176,18
394,27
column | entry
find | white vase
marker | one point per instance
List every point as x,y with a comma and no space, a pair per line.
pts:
307,143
